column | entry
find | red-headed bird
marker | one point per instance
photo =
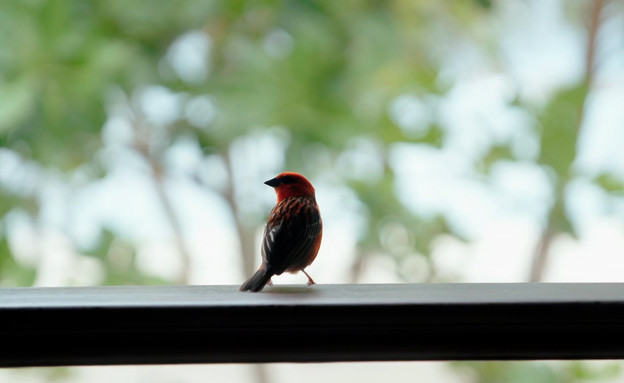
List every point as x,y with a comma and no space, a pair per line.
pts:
292,236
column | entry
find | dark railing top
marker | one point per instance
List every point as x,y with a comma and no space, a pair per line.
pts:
219,324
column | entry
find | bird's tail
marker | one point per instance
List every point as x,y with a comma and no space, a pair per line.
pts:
257,281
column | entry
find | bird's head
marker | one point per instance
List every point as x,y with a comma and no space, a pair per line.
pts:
291,185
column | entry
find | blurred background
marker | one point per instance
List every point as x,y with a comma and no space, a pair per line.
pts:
456,141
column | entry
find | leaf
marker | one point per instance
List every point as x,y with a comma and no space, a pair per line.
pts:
102,248
584,371
16,101
495,154
560,121
13,273
519,372
486,4
610,183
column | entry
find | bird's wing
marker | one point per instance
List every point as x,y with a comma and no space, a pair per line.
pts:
288,242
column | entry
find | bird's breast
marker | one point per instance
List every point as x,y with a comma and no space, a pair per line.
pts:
294,209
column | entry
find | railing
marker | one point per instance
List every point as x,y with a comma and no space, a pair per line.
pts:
218,324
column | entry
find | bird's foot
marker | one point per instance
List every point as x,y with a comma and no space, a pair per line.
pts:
310,280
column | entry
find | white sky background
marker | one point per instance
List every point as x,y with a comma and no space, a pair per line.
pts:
502,218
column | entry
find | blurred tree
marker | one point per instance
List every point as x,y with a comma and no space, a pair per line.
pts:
561,121
321,77
57,61
326,72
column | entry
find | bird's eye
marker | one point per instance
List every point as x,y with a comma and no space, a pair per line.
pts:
288,180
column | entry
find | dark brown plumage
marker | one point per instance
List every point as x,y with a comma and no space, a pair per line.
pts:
293,233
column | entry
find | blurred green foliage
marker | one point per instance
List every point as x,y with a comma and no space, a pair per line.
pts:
118,259
326,71
60,59
560,122
610,184
538,372
12,272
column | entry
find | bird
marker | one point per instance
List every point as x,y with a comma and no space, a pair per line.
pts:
293,233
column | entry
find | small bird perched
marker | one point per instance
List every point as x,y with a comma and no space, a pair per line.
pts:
292,236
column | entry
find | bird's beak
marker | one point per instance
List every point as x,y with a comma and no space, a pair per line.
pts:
274,182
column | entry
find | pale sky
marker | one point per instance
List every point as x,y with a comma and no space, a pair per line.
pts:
502,217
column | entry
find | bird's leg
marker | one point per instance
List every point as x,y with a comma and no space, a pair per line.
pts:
270,282
310,280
